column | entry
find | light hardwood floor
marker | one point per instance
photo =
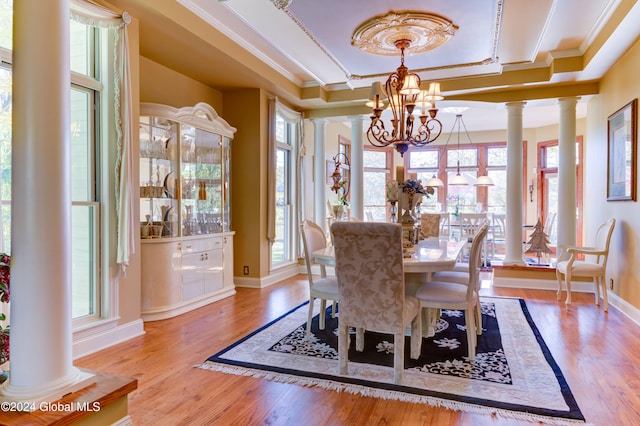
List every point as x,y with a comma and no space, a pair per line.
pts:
598,352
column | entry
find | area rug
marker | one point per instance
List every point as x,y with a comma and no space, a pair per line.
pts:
514,374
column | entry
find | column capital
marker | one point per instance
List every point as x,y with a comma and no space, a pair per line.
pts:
357,118
568,102
571,99
511,105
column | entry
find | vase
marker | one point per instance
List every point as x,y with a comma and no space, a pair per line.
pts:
409,201
406,219
338,211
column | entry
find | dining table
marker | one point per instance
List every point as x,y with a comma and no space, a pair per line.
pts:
430,255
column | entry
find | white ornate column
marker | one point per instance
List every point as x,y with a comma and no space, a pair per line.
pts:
41,332
357,167
514,217
567,172
319,178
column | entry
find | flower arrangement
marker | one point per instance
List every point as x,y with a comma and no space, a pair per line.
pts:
5,280
412,187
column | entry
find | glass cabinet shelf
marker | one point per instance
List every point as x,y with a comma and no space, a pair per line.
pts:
184,171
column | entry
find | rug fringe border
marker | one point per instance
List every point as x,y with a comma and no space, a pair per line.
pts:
387,394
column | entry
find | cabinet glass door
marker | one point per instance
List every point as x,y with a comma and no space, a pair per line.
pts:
201,155
158,177
226,194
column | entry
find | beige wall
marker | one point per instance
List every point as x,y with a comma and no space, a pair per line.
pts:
162,85
247,111
619,87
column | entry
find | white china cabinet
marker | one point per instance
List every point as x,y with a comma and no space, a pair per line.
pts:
185,221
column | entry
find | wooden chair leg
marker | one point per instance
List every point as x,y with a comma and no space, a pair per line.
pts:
323,313
359,339
309,318
471,333
416,336
343,348
567,279
559,278
605,299
398,357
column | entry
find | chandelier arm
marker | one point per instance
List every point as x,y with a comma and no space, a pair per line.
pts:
378,136
402,90
428,132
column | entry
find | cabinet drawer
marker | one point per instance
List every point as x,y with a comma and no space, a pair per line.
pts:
204,244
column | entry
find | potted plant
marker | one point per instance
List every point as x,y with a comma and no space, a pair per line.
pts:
340,206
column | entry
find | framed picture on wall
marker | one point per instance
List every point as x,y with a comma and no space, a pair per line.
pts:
622,153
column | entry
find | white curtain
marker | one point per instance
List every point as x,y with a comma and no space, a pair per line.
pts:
292,117
95,15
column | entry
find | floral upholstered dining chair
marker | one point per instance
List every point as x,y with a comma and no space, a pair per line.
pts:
371,288
429,225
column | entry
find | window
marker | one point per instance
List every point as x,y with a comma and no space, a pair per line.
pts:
472,160
90,53
377,170
497,171
427,165
548,186
283,248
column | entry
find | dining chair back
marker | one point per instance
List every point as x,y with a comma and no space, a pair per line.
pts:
371,286
461,294
429,225
445,227
497,232
471,222
323,288
549,225
593,266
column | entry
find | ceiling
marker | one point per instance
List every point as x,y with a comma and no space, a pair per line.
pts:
301,50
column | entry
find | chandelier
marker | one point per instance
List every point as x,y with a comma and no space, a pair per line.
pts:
458,179
402,92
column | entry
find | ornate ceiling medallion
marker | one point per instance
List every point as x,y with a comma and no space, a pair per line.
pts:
424,31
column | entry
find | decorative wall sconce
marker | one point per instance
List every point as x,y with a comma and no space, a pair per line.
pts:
532,184
339,183
531,188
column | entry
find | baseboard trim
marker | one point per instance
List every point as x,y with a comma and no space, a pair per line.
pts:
625,307
273,278
616,301
102,340
534,284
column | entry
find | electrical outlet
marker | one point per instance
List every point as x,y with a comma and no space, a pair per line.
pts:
245,270
611,283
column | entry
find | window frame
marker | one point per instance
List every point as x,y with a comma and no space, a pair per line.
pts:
387,170
290,233
443,169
